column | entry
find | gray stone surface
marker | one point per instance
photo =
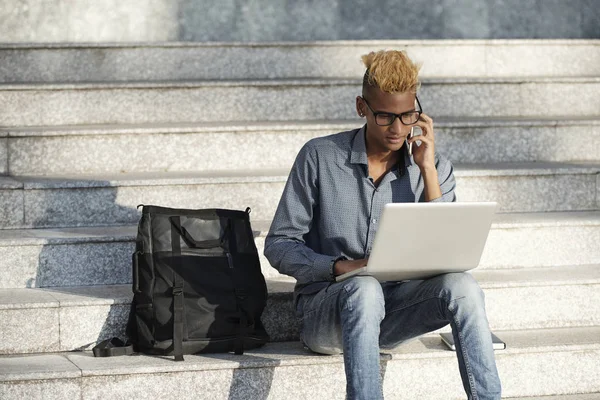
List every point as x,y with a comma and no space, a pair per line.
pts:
187,61
557,21
279,318
501,60
19,265
583,396
37,367
531,193
83,329
560,99
466,19
513,19
3,155
75,263
260,20
533,364
202,147
110,200
137,153
41,390
11,202
328,99
102,21
84,264
515,241
39,377
590,17
541,246
555,297
39,327
101,206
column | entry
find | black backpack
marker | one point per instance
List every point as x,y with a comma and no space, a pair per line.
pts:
197,283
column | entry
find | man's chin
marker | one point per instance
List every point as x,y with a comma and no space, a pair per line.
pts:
394,146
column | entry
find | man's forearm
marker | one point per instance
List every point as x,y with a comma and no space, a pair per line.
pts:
432,183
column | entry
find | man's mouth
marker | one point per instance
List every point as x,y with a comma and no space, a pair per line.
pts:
396,139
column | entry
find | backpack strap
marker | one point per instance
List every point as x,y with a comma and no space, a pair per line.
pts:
241,294
240,297
177,290
112,347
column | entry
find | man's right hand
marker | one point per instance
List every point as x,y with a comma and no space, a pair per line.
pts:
343,266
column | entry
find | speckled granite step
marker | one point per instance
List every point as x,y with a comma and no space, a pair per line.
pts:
71,318
535,363
62,62
111,199
221,146
102,255
269,100
584,396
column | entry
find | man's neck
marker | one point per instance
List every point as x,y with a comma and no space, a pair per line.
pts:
380,156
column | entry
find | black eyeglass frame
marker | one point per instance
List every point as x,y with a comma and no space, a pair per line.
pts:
399,116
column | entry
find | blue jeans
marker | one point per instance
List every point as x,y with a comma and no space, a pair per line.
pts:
360,315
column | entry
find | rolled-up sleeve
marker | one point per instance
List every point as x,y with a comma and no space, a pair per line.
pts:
285,247
447,181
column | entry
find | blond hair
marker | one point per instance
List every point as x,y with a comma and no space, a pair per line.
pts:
391,71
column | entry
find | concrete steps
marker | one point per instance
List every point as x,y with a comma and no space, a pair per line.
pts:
95,149
102,255
289,99
111,199
81,130
535,363
589,396
38,62
74,318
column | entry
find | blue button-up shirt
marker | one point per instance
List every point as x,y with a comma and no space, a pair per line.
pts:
330,206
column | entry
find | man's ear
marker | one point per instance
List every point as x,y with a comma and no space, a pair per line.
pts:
360,107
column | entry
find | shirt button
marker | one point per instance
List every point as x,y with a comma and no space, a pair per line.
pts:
374,221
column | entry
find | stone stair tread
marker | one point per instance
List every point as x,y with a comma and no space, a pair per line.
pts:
64,181
581,396
74,364
301,43
296,82
121,294
261,126
10,237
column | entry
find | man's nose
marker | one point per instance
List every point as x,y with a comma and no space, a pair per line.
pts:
398,127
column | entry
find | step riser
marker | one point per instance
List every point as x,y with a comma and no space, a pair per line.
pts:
274,149
117,205
285,61
82,326
108,263
284,102
3,155
532,374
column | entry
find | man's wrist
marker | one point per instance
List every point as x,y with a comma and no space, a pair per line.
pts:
428,170
332,268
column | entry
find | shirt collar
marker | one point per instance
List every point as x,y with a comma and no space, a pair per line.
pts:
358,154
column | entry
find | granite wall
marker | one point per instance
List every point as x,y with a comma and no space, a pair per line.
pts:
294,20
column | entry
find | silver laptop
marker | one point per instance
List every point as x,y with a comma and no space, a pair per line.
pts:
421,240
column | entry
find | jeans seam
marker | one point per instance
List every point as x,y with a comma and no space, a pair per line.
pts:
456,322
464,354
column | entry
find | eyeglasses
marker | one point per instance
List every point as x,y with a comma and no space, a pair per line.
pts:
386,119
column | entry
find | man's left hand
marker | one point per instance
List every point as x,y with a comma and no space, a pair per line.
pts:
424,155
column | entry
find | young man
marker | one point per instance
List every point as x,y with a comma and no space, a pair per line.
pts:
326,222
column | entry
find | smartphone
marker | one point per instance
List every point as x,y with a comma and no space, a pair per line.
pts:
414,131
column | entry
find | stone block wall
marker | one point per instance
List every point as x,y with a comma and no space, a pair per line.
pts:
294,20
